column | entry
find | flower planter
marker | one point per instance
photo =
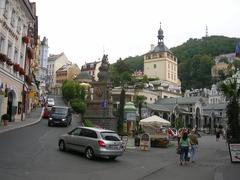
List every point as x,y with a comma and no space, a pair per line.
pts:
16,67
3,58
9,62
26,39
5,118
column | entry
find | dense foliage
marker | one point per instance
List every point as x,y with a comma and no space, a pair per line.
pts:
75,94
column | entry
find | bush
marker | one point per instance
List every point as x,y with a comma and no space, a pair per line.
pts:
88,123
78,106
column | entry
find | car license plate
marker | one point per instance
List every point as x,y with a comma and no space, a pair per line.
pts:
114,147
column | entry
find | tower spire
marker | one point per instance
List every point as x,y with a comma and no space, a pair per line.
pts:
160,34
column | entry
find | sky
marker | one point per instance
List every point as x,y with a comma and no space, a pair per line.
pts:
86,29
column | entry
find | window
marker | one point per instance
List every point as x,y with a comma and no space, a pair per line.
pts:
19,25
168,75
21,60
88,133
2,41
9,50
154,66
16,55
76,132
13,18
6,9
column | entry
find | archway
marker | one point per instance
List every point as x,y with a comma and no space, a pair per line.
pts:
10,102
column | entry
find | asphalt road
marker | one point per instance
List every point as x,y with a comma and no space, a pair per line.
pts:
31,153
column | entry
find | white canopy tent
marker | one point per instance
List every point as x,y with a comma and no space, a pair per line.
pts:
154,121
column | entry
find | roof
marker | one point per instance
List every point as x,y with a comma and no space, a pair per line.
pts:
64,67
158,107
160,48
215,106
83,75
53,57
181,100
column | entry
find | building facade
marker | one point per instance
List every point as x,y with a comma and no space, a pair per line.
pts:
43,61
160,63
18,29
92,69
54,63
66,72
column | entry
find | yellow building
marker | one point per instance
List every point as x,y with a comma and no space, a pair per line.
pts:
66,72
160,63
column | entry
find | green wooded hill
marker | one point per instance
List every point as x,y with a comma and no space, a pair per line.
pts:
195,59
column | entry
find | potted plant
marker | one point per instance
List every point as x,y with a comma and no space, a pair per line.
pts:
5,118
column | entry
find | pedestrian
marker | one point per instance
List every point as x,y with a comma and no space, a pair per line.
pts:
194,143
217,134
179,134
185,145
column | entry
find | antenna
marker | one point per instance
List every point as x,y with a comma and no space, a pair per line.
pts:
206,31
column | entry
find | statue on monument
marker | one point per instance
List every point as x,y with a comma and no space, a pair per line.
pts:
103,69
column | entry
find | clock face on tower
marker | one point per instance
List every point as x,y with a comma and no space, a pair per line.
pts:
99,92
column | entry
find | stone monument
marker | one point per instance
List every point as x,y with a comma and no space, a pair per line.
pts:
100,107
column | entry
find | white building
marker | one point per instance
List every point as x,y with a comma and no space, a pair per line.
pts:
16,19
43,61
54,63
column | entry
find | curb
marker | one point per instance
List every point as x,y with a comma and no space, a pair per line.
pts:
23,125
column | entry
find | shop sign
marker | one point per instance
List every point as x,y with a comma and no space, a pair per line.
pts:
145,142
234,150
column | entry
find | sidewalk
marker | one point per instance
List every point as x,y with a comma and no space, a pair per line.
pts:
33,117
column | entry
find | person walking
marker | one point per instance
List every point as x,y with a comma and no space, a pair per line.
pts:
184,143
194,143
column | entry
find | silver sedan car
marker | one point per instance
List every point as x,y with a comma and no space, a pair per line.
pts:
93,142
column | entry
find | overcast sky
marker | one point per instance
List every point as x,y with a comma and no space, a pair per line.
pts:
85,29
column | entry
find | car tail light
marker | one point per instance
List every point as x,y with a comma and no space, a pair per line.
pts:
101,144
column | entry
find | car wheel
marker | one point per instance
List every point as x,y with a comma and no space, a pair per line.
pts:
112,157
89,153
61,145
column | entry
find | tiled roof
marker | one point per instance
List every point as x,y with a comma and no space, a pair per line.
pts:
54,57
180,100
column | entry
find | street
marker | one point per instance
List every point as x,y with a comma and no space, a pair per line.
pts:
32,153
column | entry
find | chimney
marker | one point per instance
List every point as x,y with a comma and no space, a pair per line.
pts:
152,46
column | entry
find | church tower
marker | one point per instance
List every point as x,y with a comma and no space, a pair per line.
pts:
160,63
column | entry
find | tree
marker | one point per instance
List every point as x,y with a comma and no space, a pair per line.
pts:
68,90
121,111
139,100
231,90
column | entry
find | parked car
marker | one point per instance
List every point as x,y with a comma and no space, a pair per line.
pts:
50,102
60,115
93,142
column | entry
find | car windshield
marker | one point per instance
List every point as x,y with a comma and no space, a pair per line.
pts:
59,110
110,136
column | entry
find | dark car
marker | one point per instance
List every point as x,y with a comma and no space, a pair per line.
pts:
60,115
